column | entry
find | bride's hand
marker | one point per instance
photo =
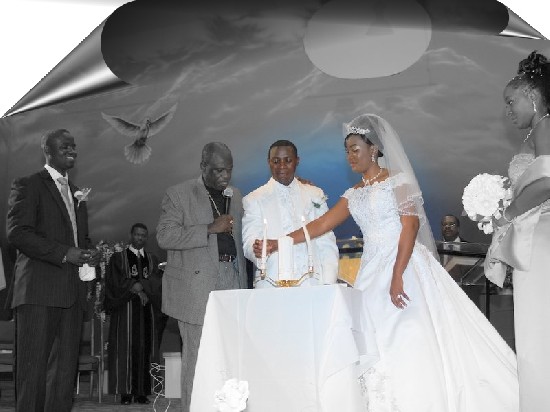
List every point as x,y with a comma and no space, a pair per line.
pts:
397,294
271,247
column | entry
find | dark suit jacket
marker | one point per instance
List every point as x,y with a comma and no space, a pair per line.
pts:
38,225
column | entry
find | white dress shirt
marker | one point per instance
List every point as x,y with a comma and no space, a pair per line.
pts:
283,207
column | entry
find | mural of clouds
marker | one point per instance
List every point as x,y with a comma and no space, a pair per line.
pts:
244,78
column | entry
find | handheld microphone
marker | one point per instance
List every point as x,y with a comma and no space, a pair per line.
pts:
227,195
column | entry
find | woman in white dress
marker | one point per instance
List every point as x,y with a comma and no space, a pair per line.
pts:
523,240
434,350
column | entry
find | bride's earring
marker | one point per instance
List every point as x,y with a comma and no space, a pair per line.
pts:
534,106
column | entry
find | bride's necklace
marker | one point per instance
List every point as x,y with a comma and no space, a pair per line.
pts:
534,126
372,179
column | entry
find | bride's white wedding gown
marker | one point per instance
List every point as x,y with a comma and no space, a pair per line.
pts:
440,353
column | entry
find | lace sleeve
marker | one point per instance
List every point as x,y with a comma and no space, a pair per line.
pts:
409,201
347,193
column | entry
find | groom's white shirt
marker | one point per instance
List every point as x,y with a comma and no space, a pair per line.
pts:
283,207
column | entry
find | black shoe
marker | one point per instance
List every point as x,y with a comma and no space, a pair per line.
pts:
126,399
142,399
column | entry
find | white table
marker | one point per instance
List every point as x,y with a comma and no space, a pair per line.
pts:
297,347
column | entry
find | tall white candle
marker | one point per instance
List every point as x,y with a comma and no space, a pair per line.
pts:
263,262
286,259
308,243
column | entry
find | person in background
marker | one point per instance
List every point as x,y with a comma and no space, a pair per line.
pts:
132,292
450,229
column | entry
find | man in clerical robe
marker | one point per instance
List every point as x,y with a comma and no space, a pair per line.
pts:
132,294
280,204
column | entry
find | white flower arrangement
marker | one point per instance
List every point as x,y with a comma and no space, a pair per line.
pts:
106,250
317,202
232,397
82,195
485,198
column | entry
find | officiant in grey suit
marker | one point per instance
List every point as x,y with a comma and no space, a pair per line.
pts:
201,230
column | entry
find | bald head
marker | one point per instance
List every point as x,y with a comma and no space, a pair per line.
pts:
216,165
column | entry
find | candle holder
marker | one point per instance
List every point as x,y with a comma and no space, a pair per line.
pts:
285,283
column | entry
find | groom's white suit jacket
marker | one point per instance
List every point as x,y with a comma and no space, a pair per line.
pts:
283,207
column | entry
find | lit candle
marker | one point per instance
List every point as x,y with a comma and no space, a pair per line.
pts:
286,263
263,262
308,243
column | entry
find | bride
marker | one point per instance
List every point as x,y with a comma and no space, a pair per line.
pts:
436,352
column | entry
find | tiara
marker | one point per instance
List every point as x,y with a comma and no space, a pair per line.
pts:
356,130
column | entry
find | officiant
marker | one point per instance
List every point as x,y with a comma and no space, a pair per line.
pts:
279,206
132,297
201,230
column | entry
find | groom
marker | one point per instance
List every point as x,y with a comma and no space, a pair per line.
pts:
282,202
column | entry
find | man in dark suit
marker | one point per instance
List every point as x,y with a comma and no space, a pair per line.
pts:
202,234
49,228
450,229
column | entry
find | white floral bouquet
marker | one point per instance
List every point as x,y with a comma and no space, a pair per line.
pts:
485,198
232,397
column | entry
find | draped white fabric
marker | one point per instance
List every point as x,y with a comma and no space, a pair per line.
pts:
296,347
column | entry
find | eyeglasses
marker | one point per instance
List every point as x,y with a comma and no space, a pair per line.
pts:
448,224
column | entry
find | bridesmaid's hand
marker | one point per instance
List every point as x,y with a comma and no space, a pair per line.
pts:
397,294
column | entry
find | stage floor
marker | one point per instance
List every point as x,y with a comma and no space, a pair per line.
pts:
84,403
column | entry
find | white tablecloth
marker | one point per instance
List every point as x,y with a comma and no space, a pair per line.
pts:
297,348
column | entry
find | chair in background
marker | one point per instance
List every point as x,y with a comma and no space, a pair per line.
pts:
89,360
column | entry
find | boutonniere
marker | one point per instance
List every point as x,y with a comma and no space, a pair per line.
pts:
318,202
82,195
